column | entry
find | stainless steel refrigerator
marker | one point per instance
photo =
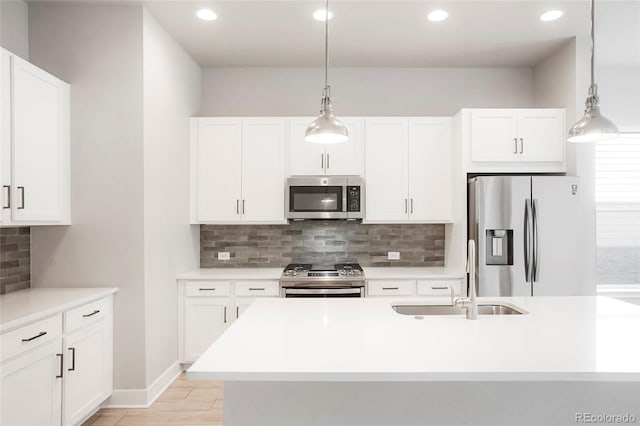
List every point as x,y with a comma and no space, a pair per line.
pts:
527,233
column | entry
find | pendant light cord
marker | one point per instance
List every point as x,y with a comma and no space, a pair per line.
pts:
593,47
326,44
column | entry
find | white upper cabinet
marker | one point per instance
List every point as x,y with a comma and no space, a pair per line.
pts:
408,170
430,170
35,145
263,170
311,159
386,169
514,140
237,170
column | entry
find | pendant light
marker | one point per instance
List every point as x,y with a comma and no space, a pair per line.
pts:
326,128
593,126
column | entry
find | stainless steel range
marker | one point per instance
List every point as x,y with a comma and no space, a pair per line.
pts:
307,280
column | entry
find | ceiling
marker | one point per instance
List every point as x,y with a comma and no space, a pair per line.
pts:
395,33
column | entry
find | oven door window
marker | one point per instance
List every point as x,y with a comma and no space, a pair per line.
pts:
315,198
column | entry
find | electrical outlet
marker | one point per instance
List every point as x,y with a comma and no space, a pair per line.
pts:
224,255
393,255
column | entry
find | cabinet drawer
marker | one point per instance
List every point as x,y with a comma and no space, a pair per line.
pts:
438,287
391,288
87,314
30,336
208,288
257,288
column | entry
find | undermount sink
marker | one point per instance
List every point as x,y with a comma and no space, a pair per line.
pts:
483,309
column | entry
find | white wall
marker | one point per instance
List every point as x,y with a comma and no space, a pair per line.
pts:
97,48
172,89
14,27
619,90
363,91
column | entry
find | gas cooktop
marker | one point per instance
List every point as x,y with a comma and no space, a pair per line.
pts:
309,271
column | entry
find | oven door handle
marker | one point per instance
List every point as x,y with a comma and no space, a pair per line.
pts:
354,290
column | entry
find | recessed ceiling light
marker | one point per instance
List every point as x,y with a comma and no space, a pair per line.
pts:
438,15
551,15
321,15
207,15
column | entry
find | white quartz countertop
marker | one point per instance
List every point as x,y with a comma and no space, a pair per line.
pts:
560,339
410,273
233,274
25,306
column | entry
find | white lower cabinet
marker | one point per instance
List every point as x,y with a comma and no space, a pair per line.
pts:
422,287
53,376
208,307
31,388
88,377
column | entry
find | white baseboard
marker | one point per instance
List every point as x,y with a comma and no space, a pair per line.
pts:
143,398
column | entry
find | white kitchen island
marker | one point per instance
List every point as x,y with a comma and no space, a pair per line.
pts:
358,362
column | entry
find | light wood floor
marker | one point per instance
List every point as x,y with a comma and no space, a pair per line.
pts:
185,402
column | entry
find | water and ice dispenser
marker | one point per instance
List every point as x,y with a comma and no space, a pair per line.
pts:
499,247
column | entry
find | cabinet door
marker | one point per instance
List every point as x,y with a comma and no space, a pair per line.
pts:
5,137
263,170
88,370
541,135
40,131
217,160
493,135
31,394
305,158
430,170
242,304
346,158
386,170
205,320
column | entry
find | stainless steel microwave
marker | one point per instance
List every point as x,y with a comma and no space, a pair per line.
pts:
324,197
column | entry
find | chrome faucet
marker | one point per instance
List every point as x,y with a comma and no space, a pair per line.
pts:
469,303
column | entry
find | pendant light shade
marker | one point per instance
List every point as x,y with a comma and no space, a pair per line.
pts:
326,128
593,126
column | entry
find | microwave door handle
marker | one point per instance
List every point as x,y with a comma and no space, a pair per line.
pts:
345,190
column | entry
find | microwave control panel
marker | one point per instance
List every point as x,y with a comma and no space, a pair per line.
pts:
353,198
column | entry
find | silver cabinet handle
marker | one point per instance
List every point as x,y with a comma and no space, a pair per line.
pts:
206,289
327,161
322,161
237,206
97,311
42,333
61,356
412,206
73,360
515,149
257,289
237,312
534,268
521,145
21,189
225,314
439,288
390,288
242,206
406,208
8,197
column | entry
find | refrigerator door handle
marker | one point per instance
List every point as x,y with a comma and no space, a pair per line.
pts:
534,268
527,233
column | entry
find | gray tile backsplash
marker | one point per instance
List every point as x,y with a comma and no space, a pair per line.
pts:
15,259
321,242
